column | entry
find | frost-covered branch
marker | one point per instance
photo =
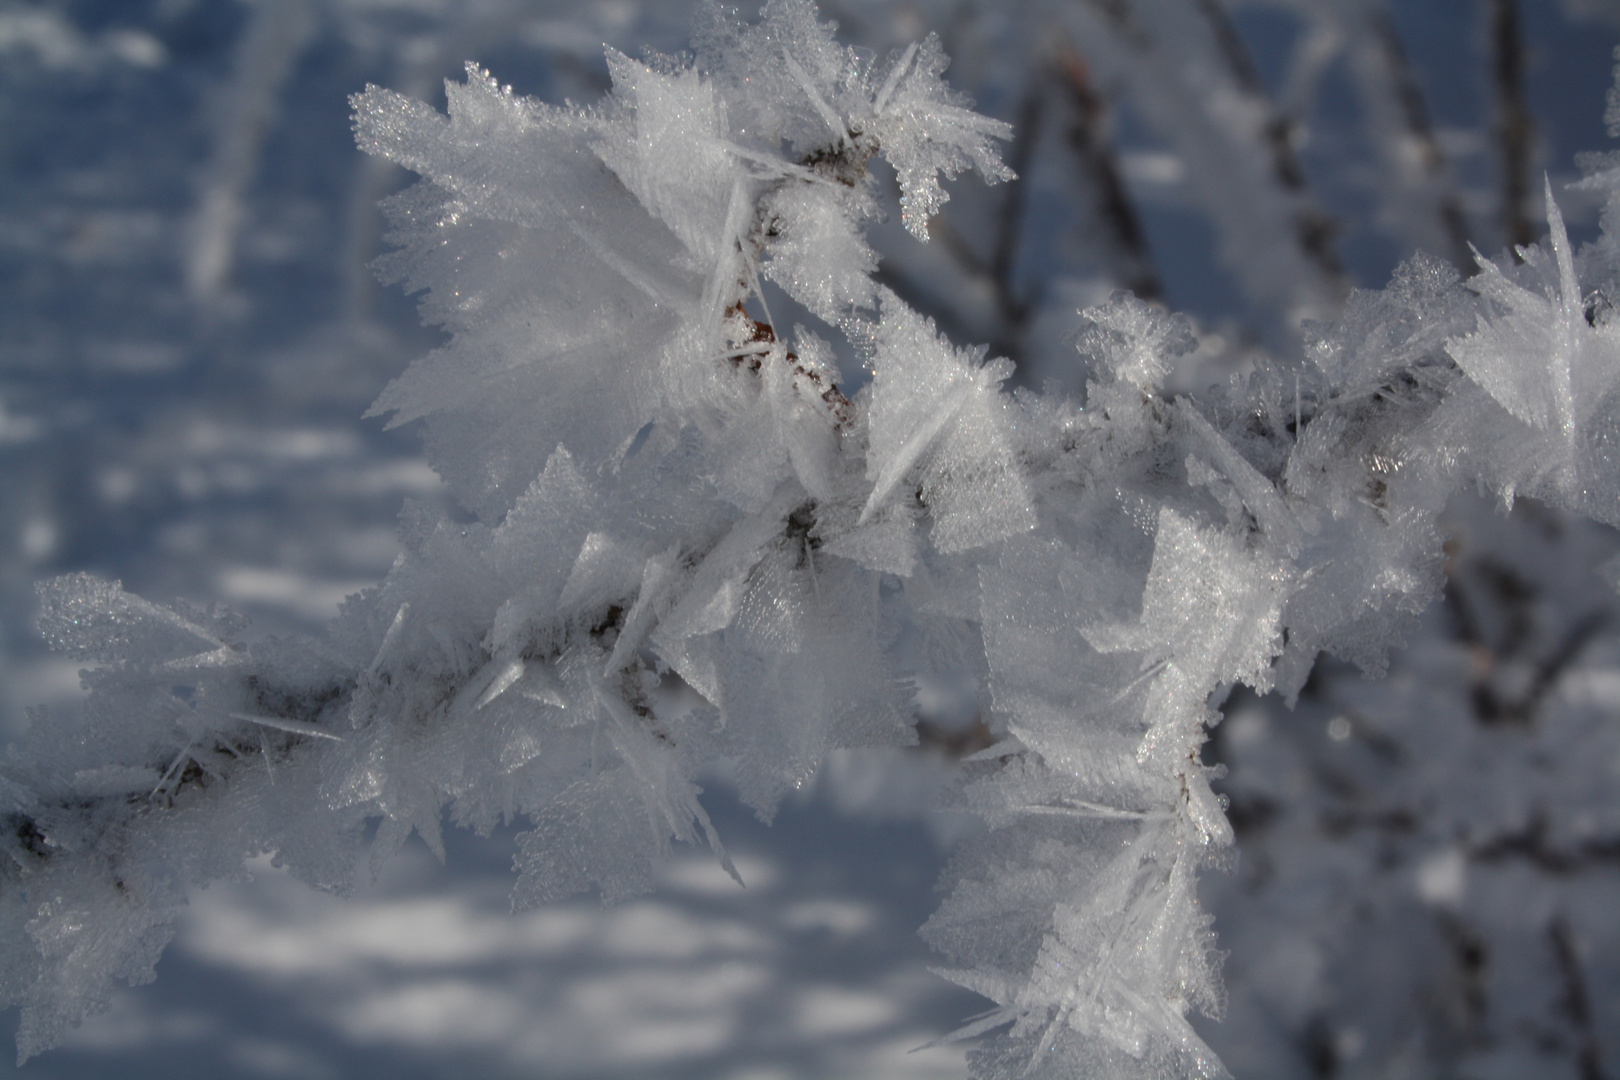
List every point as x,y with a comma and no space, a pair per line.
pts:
662,495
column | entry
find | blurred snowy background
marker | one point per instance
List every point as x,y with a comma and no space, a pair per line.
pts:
189,334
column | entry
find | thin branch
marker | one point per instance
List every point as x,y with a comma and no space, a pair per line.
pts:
1515,129
1471,953
1116,213
1513,599
1010,220
1418,124
1313,227
1533,845
1577,1003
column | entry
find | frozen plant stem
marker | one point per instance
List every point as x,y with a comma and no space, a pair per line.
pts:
1420,130
1515,130
662,487
1093,148
1314,228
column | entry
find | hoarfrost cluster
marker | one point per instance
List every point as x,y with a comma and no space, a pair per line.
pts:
690,542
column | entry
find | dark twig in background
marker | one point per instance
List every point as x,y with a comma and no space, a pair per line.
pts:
1314,227
1116,215
1515,130
1415,112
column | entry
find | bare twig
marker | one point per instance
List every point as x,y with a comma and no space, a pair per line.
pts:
1009,226
1513,598
1416,113
1313,227
1088,137
1533,845
1471,955
1515,129
1577,1004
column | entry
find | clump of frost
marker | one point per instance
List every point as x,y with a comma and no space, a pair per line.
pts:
792,82
1132,342
937,420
